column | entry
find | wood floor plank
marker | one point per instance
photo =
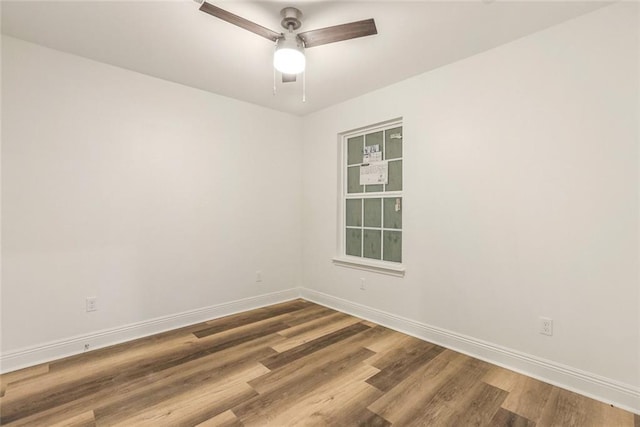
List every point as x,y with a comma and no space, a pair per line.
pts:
388,342
280,359
294,363
284,391
528,397
504,418
402,362
366,418
314,324
502,378
449,396
407,347
369,323
199,404
84,419
323,329
12,378
604,412
242,319
418,388
477,407
343,392
347,406
225,419
565,408
233,332
413,394
331,351
367,337
325,361
307,314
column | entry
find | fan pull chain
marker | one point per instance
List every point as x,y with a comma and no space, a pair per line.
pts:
275,48
304,79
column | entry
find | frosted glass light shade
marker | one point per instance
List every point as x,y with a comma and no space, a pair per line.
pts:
289,57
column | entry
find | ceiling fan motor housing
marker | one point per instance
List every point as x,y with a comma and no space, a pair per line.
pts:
291,18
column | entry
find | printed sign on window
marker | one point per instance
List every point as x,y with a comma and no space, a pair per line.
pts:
374,173
372,154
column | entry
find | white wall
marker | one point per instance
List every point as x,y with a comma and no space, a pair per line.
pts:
521,179
154,197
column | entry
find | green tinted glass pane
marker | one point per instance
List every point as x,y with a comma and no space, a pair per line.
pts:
353,180
392,246
354,242
354,212
374,139
373,188
354,150
372,212
392,212
395,176
372,244
393,143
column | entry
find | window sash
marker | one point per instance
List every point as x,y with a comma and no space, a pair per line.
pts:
352,145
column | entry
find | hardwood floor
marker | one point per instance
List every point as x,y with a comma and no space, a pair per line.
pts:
291,364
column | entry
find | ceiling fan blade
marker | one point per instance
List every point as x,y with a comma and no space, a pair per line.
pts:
239,21
288,78
339,33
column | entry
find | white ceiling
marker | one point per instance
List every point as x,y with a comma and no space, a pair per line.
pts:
174,41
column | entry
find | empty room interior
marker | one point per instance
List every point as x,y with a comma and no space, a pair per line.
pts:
230,213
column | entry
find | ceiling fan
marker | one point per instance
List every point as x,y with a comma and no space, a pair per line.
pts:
289,56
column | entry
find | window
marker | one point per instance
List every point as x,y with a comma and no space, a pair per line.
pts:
372,202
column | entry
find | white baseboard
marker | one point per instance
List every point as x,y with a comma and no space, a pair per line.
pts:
31,356
621,395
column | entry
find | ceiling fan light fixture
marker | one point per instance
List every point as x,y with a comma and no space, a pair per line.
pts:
289,55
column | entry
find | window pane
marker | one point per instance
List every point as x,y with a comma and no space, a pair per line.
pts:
392,212
354,242
374,139
393,144
353,180
392,246
354,150
372,244
372,213
354,212
395,176
373,188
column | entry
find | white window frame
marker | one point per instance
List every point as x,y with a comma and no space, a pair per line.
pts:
362,263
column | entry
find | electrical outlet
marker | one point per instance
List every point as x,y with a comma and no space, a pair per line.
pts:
258,276
546,326
362,286
92,304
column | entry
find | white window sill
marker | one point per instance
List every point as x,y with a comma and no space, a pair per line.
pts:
389,268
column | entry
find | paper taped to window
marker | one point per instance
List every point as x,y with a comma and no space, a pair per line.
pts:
372,154
374,173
